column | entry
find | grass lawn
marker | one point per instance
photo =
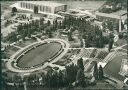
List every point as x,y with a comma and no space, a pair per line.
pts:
113,67
25,43
11,50
39,55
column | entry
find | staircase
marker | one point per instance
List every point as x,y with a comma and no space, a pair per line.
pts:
87,52
110,56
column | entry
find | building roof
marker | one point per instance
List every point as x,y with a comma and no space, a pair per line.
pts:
45,3
119,14
107,15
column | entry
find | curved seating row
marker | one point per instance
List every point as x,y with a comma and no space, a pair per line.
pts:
21,54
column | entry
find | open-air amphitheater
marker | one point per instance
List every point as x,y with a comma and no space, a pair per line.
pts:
37,55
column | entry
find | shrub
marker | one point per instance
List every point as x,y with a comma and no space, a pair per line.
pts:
120,35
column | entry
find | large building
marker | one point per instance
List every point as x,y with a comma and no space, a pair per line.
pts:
118,17
41,6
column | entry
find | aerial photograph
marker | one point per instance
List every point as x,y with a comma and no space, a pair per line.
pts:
64,45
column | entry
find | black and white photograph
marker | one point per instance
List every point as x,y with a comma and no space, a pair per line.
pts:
64,45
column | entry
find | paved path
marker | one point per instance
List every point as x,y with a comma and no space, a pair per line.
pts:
17,46
38,39
120,47
74,48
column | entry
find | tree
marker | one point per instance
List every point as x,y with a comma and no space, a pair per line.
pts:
12,37
80,80
54,79
59,25
48,31
41,24
71,72
64,22
14,10
48,23
55,24
101,74
80,64
70,36
111,41
95,72
110,44
80,73
3,55
110,25
49,77
60,79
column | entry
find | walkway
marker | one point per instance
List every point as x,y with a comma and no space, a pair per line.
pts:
17,46
38,39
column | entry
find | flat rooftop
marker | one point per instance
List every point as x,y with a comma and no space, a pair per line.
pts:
117,15
44,3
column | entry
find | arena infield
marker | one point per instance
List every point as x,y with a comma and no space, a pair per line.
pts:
35,56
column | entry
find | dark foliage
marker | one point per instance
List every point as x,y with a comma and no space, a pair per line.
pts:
95,72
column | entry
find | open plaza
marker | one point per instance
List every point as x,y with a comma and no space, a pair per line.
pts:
53,44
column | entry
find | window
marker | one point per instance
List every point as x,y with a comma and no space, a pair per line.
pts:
44,8
26,5
40,8
50,9
29,6
32,6
21,4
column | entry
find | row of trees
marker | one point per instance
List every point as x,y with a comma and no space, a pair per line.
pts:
98,72
52,79
59,78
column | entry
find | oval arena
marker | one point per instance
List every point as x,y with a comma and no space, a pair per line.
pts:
37,55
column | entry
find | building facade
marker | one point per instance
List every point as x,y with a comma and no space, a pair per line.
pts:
116,18
47,7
